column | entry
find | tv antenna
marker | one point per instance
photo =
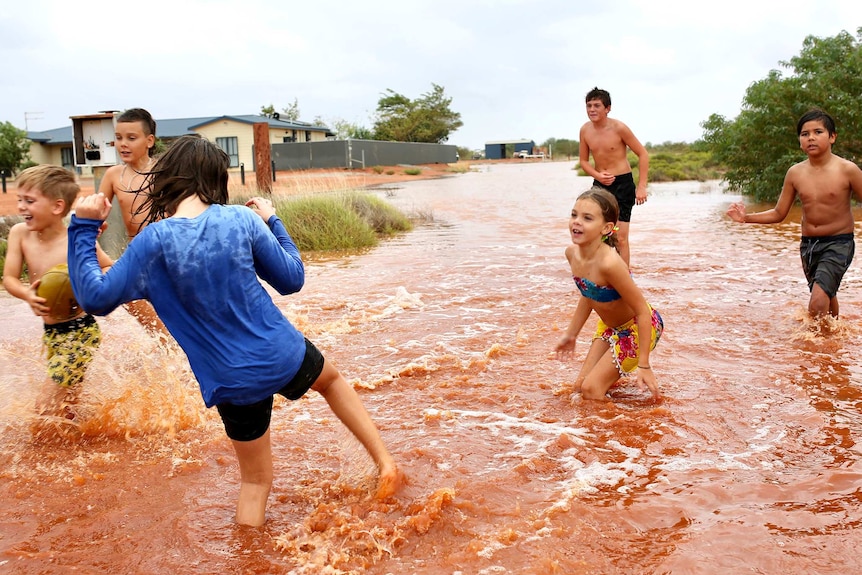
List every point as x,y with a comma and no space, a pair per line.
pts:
31,116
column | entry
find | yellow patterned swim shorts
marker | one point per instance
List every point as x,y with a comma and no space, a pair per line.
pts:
70,347
624,341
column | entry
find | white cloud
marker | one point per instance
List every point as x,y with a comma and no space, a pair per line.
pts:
513,68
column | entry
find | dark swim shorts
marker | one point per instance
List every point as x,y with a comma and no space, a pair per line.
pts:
825,259
624,190
249,422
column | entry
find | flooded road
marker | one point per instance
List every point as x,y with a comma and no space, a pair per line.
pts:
750,463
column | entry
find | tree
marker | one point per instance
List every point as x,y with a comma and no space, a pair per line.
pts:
14,148
561,147
346,130
289,113
427,119
761,143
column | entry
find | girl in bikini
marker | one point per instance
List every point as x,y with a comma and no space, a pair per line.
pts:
620,344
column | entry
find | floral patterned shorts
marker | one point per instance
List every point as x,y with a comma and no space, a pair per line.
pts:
624,340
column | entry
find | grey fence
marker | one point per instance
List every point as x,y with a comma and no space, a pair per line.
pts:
358,153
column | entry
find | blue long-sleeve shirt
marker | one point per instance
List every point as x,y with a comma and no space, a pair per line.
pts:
201,275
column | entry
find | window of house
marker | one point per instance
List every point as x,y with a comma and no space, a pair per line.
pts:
231,148
66,158
307,135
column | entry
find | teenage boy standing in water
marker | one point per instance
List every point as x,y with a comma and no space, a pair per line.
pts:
607,140
824,184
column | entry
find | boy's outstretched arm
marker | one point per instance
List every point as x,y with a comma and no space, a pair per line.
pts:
736,211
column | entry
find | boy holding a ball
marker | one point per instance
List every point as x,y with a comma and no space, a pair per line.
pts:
45,196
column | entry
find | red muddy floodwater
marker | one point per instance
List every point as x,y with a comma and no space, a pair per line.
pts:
750,463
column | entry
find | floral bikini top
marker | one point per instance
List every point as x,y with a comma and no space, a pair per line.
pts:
596,292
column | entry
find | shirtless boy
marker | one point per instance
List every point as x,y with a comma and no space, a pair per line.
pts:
607,141
135,144
38,243
135,140
824,184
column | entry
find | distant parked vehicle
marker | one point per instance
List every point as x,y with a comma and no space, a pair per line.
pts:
523,154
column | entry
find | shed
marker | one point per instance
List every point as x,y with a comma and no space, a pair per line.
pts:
496,150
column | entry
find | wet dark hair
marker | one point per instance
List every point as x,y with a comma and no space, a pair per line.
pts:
146,120
599,94
608,205
192,166
816,114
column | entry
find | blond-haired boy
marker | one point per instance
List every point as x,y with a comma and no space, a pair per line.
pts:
46,193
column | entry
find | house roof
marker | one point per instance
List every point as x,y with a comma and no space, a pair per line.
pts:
176,127
55,136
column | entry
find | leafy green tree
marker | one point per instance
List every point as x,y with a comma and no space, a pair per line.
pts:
760,144
14,148
428,119
561,147
289,113
680,161
344,130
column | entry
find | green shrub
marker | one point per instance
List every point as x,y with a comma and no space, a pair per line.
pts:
324,222
413,171
674,162
380,215
378,169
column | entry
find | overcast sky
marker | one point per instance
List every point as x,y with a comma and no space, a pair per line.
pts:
513,68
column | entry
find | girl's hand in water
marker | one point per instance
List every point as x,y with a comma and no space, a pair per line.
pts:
646,380
566,347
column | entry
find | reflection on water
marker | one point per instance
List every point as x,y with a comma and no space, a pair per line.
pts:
749,464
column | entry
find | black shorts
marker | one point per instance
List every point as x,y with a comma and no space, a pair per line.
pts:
249,422
825,260
624,190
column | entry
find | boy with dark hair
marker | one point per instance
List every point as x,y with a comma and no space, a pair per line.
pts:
607,140
135,140
824,184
